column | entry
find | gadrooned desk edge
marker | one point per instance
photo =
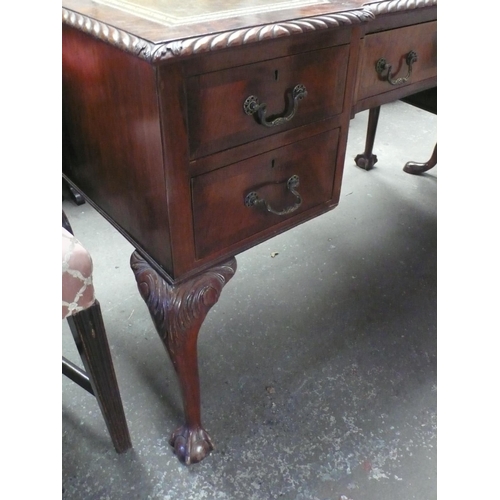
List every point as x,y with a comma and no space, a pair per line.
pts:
159,52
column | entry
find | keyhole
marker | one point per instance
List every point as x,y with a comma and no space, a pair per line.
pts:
272,163
276,74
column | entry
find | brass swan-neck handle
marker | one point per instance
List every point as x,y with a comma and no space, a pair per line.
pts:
382,65
252,106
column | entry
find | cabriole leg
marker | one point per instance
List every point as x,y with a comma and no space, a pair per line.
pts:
178,312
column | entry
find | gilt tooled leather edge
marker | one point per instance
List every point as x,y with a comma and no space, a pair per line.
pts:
388,6
157,52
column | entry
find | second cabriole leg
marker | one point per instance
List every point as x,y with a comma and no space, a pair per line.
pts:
178,312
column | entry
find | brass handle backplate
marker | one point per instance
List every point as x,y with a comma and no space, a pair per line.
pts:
382,65
252,199
252,106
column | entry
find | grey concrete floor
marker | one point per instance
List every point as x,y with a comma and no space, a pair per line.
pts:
318,366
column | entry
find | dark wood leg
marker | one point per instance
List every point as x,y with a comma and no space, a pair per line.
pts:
418,168
367,159
75,195
178,312
88,331
65,223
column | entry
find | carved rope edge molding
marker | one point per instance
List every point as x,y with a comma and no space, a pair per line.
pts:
387,6
156,52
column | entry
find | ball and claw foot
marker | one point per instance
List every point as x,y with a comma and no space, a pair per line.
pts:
366,161
191,445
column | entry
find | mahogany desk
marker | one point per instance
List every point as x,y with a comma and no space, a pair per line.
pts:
202,128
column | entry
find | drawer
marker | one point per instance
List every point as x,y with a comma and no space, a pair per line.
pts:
217,119
394,46
222,199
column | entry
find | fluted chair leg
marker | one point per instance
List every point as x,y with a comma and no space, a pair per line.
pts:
89,333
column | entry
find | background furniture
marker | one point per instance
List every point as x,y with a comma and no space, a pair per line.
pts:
426,100
201,134
83,312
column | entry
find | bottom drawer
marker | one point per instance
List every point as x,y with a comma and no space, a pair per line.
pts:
240,200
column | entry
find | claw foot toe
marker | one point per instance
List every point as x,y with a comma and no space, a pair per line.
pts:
191,445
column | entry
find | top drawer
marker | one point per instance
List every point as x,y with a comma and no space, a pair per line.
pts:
216,101
394,46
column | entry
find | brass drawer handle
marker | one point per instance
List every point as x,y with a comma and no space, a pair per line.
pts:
252,106
252,199
382,66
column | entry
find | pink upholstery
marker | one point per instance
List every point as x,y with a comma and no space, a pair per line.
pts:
77,288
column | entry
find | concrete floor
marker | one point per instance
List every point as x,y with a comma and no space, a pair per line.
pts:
318,366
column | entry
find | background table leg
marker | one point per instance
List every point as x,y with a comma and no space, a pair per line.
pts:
412,167
367,159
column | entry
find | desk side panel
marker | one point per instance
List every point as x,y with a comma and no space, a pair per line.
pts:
112,140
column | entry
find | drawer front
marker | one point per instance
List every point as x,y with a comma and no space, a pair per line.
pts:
221,217
217,119
394,46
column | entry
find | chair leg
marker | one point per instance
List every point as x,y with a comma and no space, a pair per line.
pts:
65,223
412,167
367,159
90,337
